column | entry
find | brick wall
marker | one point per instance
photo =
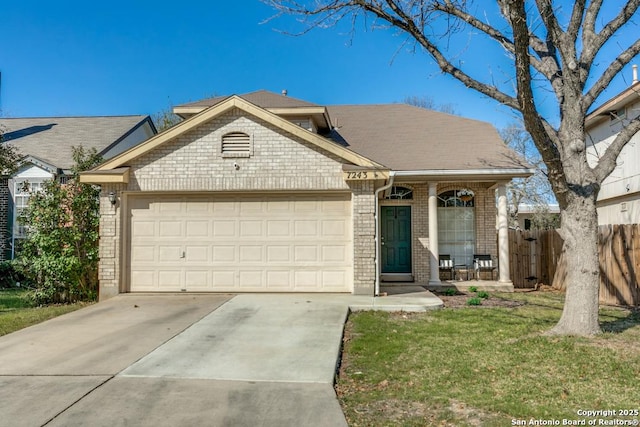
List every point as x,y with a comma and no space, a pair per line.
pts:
4,219
364,267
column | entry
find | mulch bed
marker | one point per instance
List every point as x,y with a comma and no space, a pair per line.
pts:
460,301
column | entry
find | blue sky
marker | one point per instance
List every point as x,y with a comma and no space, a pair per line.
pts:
139,57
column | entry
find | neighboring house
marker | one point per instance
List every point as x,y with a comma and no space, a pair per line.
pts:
527,214
266,193
46,143
619,198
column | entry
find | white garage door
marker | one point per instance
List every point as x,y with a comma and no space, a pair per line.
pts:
275,243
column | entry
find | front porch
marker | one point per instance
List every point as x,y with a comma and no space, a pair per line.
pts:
398,288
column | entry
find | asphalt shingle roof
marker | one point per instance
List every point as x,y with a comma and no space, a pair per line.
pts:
51,139
404,137
261,98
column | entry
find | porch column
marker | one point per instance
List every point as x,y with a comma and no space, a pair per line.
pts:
434,265
503,236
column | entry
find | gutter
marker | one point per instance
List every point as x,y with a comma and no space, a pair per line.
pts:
376,239
465,174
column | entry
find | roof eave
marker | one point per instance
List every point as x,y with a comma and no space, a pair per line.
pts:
113,176
466,174
613,104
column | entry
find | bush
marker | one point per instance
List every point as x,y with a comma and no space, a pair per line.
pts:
474,301
483,294
450,291
60,253
473,289
9,276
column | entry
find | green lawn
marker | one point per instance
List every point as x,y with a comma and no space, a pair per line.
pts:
16,312
485,366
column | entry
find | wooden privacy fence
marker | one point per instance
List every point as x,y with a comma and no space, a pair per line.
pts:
536,258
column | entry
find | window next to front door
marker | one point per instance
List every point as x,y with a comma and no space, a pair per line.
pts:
395,239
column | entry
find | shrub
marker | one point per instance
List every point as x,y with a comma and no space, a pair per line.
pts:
450,291
9,276
473,289
483,294
60,252
474,301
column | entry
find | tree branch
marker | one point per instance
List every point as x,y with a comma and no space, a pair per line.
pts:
610,73
593,42
576,20
607,162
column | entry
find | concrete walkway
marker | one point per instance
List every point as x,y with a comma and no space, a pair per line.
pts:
197,360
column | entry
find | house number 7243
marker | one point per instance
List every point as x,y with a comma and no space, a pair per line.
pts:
357,175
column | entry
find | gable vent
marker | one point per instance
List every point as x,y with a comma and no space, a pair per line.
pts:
236,144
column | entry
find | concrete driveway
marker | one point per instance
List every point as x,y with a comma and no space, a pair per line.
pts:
177,360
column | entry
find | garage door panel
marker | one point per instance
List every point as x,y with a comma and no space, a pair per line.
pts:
251,279
143,253
333,253
278,253
249,243
197,254
170,280
223,280
169,253
224,254
308,228
197,228
333,279
170,229
251,228
144,229
224,229
251,253
306,253
278,228
333,228
197,279
279,280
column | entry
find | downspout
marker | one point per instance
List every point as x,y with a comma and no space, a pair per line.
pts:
392,175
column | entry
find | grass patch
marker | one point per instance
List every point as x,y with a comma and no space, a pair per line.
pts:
485,367
16,312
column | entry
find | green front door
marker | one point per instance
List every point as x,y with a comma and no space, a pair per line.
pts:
395,239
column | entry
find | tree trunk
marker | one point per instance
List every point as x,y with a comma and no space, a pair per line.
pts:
580,233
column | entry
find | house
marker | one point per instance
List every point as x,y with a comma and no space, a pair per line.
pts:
619,197
267,193
47,144
535,216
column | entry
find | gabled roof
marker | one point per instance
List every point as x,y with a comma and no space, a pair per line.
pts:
604,111
221,108
51,139
408,138
281,105
261,98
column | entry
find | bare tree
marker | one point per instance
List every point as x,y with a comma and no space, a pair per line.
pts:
557,50
534,190
428,103
165,119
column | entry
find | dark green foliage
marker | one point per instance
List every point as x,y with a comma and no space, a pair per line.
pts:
9,276
474,301
59,257
450,291
483,294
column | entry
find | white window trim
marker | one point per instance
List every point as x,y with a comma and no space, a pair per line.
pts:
16,231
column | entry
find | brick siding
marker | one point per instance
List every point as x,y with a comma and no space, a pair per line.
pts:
5,234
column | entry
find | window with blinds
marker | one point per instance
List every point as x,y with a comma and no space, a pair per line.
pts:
236,144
